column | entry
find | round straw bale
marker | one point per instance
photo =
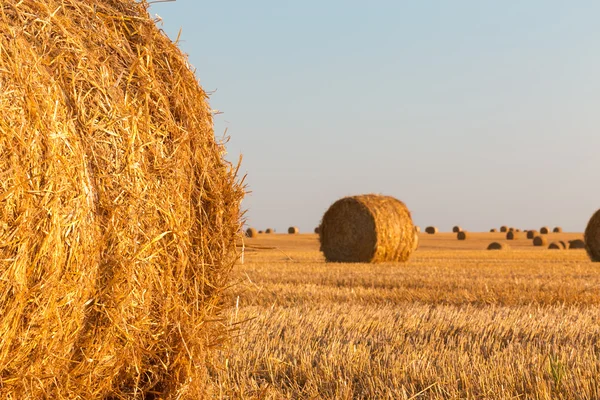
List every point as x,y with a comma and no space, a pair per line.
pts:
576,244
261,232
557,229
532,233
511,229
540,241
269,230
367,228
317,229
557,246
431,230
512,235
292,230
497,246
517,230
120,213
251,232
544,230
504,229
462,235
493,230
591,237
456,229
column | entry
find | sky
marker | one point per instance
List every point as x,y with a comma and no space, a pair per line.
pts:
473,113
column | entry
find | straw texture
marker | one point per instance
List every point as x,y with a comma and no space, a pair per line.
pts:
118,213
367,228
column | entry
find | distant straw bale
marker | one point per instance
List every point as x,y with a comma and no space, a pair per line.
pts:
367,228
557,229
511,229
317,229
118,212
540,241
456,229
261,232
591,237
576,244
431,230
251,232
532,233
504,229
556,246
269,230
493,230
462,235
544,230
497,246
512,235
292,230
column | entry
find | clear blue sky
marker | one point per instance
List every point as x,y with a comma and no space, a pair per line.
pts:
475,113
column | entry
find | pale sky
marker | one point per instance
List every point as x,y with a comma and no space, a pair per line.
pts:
474,113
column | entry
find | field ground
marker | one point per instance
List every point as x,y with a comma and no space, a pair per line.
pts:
456,321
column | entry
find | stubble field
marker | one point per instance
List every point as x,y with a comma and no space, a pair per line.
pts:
456,321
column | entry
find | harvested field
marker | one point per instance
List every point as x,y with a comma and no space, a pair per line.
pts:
455,321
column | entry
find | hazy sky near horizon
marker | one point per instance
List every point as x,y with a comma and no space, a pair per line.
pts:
472,113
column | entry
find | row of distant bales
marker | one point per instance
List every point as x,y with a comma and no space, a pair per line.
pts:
376,228
538,238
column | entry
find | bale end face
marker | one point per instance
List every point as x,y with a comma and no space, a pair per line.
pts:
540,241
504,229
544,230
557,229
462,235
292,230
456,229
431,230
532,233
591,237
576,244
512,235
251,233
497,246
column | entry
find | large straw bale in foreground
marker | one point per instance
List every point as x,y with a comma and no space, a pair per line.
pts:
367,228
118,214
